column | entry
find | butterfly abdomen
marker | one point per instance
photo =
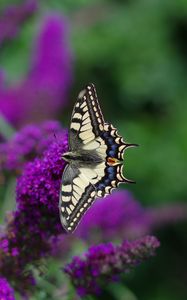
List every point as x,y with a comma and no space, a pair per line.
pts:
83,157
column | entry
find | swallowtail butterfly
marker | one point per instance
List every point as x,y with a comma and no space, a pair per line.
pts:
95,159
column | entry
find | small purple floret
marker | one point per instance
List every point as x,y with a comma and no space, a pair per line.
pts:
6,291
100,264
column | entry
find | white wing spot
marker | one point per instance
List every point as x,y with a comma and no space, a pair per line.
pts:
92,194
86,115
99,193
68,210
77,115
113,183
86,121
65,198
75,126
72,207
85,109
86,127
74,201
107,189
78,181
117,140
91,146
86,135
101,127
66,188
121,148
77,189
83,104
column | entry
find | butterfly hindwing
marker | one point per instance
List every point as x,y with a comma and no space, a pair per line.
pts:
113,173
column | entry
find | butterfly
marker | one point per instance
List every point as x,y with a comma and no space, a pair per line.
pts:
95,159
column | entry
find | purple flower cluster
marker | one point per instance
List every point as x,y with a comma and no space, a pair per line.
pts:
6,292
117,216
25,145
36,219
13,17
103,262
38,192
44,91
120,216
159,217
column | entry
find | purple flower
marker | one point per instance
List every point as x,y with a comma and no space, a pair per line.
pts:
102,263
36,219
44,92
6,292
13,17
114,217
120,216
38,192
25,145
159,217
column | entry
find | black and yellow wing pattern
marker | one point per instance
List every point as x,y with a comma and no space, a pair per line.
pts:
95,159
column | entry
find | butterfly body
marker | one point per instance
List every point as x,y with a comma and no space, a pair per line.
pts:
83,157
95,159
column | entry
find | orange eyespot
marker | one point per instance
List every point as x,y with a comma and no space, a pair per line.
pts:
112,161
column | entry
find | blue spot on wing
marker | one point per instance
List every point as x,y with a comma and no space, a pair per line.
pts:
111,153
105,134
114,146
111,143
110,169
101,186
110,175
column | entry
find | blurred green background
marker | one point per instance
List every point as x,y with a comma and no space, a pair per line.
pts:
135,51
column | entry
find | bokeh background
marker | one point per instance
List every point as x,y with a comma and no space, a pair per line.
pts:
135,52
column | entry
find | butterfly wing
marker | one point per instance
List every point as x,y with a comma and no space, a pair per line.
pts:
81,184
87,120
113,172
76,195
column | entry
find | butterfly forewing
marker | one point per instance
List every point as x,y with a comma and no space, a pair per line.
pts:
76,196
87,120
